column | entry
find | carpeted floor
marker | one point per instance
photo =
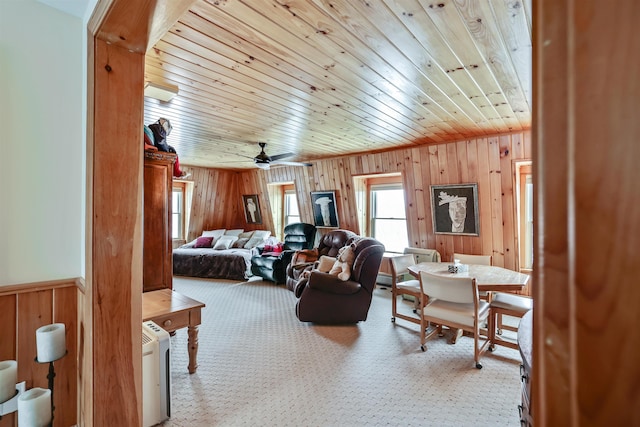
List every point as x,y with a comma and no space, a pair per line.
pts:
260,366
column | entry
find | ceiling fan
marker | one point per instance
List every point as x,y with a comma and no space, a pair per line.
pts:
264,161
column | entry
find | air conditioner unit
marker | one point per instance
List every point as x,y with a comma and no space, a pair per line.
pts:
156,374
423,255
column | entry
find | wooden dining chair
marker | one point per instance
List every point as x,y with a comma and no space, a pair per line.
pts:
454,302
403,284
509,305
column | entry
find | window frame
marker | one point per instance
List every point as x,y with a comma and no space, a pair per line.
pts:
181,188
522,170
390,182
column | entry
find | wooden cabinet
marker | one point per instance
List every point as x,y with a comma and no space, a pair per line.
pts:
158,181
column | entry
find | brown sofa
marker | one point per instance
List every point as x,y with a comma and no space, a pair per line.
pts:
325,299
328,245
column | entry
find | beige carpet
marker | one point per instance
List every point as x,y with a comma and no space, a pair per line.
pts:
260,366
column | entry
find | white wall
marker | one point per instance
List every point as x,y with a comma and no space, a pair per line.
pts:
42,143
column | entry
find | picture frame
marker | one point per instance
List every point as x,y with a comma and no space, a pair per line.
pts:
252,209
454,209
325,211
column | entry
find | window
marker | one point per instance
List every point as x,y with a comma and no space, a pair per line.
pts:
524,184
291,213
388,220
177,213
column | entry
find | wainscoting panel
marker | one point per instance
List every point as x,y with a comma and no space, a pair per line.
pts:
25,308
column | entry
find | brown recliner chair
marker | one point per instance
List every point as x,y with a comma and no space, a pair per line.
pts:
325,299
304,260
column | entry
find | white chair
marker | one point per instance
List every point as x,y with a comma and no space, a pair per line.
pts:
477,260
403,284
454,302
474,259
510,305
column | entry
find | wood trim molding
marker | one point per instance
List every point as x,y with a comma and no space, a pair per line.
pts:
77,282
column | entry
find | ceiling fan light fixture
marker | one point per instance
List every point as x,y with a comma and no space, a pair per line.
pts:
263,165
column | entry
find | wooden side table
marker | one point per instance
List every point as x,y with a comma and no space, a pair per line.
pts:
172,311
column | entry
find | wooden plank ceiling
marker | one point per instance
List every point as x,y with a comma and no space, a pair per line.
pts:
324,78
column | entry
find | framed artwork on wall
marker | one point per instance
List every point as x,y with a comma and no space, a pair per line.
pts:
252,209
455,209
325,211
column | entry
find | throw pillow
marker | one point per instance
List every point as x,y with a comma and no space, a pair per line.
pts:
240,242
253,242
325,263
247,234
224,242
204,242
235,232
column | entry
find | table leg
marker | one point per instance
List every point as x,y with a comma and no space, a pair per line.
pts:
193,348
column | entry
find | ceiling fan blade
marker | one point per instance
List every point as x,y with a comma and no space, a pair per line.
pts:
284,163
281,156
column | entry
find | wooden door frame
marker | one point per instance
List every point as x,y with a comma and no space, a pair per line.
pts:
568,347
119,34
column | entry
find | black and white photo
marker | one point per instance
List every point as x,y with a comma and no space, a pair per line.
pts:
325,211
252,209
455,209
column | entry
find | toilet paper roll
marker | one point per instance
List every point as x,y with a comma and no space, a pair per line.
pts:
8,379
34,408
50,342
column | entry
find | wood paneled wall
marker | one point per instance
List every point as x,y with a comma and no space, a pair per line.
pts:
25,308
486,161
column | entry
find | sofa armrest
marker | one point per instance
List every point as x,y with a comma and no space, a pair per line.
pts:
330,283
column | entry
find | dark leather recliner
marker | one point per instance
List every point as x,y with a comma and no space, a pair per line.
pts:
297,236
329,245
325,299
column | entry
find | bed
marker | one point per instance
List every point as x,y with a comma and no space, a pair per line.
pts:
219,254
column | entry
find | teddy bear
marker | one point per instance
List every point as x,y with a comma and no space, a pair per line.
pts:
343,263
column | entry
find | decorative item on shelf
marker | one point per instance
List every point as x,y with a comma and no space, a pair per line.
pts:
457,267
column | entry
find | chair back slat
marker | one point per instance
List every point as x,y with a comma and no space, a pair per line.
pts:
454,289
473,259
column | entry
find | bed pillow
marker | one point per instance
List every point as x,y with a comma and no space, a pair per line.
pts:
204,242
240,242
235,232
216,234
224,242
253,242
263,234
